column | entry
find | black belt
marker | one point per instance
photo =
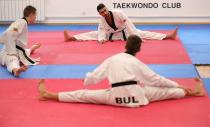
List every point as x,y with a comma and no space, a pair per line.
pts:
124,36
24,53
110,36
124,83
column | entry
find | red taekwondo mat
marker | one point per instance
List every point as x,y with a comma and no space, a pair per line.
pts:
55,51
19,107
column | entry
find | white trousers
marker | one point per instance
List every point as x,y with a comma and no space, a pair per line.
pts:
127,96
93,35
163,93
11,61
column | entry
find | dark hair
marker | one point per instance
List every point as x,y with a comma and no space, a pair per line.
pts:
29,10
100,6
133,44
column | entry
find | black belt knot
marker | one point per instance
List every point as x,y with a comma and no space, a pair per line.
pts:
123,33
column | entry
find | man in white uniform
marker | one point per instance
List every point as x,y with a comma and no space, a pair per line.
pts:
15,55
115,25
133,83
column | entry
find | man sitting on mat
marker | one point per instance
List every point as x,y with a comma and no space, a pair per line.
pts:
115,25
133,83
15,55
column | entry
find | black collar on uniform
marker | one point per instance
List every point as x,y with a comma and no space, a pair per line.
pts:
25,19
113,23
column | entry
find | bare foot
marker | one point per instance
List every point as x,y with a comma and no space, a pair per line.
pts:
197,79
35,47
198,91
172,35
45,94
199,87
19,70
42,90
68,37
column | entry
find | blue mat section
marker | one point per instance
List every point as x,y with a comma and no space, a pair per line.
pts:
79,71
51,71
196,41
175,70
3,28
199,53
156,27
195,34
1,46
207,85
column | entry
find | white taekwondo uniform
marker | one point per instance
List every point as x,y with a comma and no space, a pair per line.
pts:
15,40
143,85
121,28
